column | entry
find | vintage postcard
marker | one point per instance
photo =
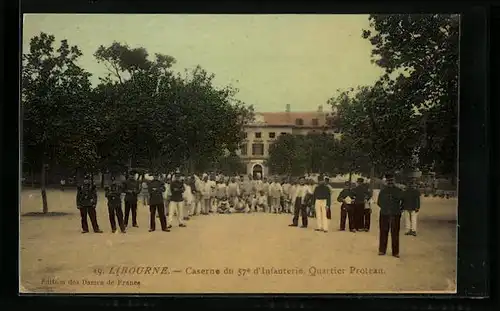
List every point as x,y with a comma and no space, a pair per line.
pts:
239,153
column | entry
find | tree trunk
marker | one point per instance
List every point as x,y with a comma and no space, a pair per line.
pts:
45,207
102,180
32,178
350,178
372,176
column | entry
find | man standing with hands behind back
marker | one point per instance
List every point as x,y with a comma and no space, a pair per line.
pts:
389,200
322,203
177,200
131,189
156,189
361,195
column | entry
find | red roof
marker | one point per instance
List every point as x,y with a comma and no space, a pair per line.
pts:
291,118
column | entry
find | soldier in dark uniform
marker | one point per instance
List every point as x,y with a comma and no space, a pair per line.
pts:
346,210
389,200
131,189
361,196
156,204
113,194
86,201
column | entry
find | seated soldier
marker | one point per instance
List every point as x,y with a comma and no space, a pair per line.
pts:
223,206
241,206
260,202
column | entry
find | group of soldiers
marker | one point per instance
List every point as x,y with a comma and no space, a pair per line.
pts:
185,197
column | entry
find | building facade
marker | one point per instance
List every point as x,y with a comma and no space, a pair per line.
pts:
268,126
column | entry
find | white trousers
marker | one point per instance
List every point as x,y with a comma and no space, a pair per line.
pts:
411,220
188,207
275,205
197,206
321,220
178,209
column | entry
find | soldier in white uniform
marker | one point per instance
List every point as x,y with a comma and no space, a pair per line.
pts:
275,191
233,191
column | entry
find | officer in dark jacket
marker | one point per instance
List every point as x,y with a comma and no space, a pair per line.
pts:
131,189
113,193
361,194
389,200
346,210
86,201
156,204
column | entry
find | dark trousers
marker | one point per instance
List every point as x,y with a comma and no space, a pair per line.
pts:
301,209
389,223
115,212
153,209
346,211
367,215
90,211
358,215
130,206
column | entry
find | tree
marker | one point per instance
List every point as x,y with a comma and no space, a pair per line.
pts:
229,165
128,103
166,120
425,47
58,123
298,154
376,127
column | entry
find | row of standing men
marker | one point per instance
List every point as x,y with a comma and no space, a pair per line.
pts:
195,196
191,196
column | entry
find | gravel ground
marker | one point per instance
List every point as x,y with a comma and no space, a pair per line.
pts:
253,253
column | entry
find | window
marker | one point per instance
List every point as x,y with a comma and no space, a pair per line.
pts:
299,122
272,134
283,133
315,122
258,149
245,135
258,135
243,149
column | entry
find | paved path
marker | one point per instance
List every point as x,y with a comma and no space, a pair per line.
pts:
52,248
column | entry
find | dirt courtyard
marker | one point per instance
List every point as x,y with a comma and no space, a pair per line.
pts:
252,253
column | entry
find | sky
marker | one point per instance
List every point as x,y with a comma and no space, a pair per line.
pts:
274,60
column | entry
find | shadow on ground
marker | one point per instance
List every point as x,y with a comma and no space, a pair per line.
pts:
48,214
443,222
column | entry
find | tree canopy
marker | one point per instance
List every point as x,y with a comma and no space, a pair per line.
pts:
313,153
411,111
142,113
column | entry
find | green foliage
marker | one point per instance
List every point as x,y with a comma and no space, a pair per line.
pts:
412,109
141,112
58,122
317,153
426,47
229,165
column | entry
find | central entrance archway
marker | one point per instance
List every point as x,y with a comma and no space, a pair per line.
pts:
257,170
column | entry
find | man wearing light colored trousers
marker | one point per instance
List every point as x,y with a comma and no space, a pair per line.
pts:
176,201
322,202
411,206
275,191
